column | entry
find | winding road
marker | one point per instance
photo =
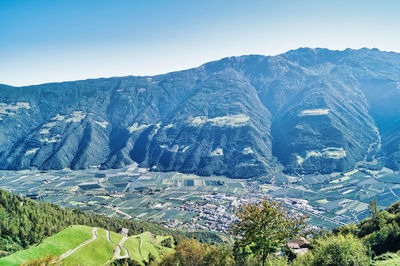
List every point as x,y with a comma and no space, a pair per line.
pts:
117,255
118,249
108,236
69,252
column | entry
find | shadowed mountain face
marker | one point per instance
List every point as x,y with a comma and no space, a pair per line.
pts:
306,111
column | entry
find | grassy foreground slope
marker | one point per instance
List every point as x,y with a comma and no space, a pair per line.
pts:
96,252
57,244
141,246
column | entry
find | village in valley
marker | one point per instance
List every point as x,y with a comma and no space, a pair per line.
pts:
190,202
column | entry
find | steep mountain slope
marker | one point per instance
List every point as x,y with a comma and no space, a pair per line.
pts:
306,111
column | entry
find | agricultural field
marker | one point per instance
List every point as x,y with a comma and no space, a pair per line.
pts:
191,202
346,195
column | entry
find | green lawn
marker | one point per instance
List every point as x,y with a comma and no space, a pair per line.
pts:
132,244
95,253
115,237
140,246
56,245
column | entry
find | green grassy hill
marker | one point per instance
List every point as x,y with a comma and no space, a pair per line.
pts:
25,222
97,252
56,245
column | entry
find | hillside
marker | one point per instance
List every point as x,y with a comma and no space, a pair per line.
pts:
25,222
92,246
305,111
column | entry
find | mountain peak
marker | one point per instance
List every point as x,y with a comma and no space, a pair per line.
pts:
310,110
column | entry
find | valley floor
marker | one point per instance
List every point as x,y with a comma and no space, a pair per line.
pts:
190,202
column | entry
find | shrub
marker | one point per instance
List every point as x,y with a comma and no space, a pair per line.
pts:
167,243
193,253
340,250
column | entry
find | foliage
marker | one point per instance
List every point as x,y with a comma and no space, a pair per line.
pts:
193,253
340,250
203,236
263,227
350,228
385,239
373,207
44,261
382,231
167,243
304,260
387,259
275,261
386,256
125,262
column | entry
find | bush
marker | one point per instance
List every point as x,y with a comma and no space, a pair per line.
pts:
45,261
340,250
167,243
386,256
124,262
193,253
304,260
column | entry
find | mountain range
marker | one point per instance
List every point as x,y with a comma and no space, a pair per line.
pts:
306,111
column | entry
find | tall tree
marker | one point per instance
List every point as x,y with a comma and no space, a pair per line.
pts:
373,207
263,227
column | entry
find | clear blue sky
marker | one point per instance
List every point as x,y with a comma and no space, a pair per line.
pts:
56,40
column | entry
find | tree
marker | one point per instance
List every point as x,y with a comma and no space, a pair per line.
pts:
263,227
373,207
124,262
340,250
167,242
151,258
193,253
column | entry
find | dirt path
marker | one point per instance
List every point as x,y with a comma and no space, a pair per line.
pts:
116,209
108,236
121,245
394,194
140,247
69,252
117,251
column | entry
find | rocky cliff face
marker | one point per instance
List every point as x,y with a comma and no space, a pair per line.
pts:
306,111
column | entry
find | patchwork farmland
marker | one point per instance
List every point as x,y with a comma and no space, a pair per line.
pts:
191,202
